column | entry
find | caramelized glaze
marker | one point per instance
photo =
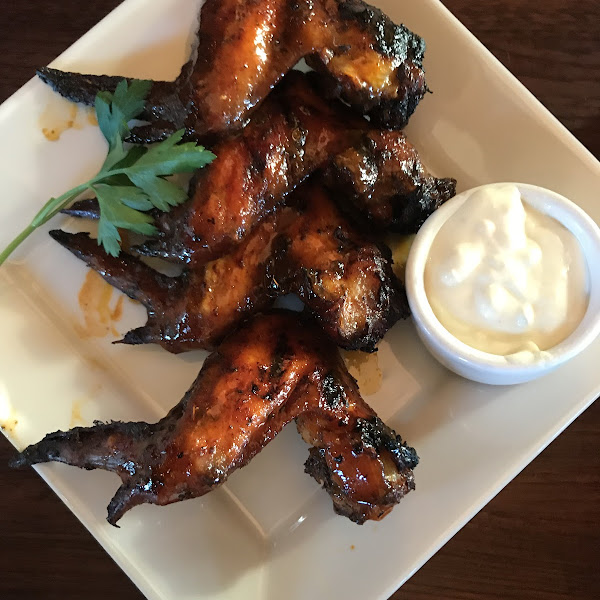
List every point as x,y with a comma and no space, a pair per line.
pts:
381,180
293,133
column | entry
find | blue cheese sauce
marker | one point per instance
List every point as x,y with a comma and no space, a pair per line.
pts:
505,278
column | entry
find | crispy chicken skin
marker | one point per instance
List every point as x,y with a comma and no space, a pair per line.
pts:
341,275
275,369
246,46
372,64
309,249
379,183
293,133
381,180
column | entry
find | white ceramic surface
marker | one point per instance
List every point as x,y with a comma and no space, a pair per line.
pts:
490,368
270,533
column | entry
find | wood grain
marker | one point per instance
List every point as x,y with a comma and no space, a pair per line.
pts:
540,537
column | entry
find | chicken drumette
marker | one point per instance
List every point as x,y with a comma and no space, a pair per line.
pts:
381,181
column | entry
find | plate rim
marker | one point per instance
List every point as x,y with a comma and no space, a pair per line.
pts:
576,146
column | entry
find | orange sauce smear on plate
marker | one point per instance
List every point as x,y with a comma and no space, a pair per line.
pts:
364,367
99,316
60,115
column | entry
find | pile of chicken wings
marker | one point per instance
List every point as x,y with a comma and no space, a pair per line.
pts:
311,168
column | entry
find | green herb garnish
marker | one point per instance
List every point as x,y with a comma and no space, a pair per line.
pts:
132,180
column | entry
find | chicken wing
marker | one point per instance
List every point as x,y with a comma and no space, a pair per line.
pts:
245,48
309,249
342,276
199,307
382,181
293,133
277,368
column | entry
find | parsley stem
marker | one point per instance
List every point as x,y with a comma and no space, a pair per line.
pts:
51,208
13,245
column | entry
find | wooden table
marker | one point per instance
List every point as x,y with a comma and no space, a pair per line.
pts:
540,537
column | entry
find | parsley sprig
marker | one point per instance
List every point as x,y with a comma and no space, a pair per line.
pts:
132,180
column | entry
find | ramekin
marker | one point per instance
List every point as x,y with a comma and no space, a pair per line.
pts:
492,368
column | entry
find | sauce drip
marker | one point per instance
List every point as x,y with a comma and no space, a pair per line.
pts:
60,115
364,367
76,416
99,317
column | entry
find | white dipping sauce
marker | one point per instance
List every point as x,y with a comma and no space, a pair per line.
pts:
504,278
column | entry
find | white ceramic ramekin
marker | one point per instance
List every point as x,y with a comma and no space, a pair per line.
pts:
491,368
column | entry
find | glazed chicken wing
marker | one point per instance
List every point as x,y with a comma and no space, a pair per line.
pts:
376,176
275,369
342,276
293,133
309,249
245,48
382,181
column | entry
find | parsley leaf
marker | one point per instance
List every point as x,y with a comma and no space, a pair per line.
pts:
120,207
114,111
132,180
170,157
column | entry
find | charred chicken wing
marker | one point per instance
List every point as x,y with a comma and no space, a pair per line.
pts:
376,176
275,369
245,48
309,249
293,133
381,180
342,276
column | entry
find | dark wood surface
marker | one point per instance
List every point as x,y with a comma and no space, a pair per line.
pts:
540,537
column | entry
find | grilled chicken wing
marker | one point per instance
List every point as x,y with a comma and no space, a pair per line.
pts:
371,63
293,133
377,176
245,48
308,249
199,307
342,276
275,369
381,180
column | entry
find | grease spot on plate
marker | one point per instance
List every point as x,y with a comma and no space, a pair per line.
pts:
99,314
400,247
9,425
8,416
365,369
76,417
59,115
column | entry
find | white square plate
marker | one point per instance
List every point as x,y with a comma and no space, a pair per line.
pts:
270,533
